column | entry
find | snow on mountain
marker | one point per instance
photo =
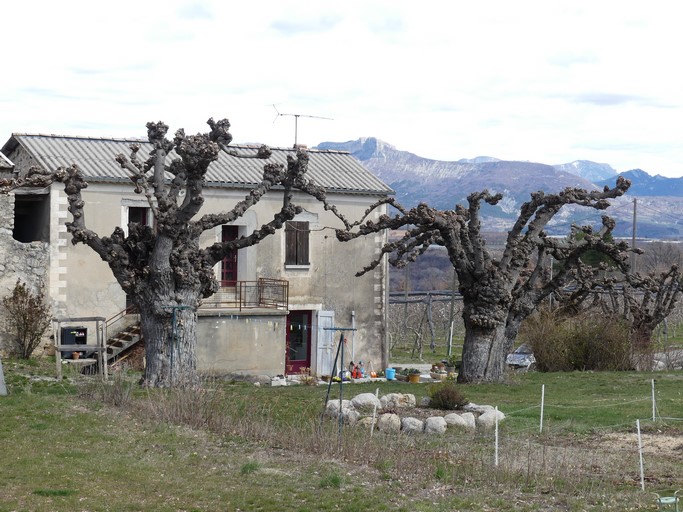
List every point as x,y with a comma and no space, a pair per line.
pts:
443,184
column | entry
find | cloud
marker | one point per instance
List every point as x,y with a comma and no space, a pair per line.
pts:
293,27
607,98
195,11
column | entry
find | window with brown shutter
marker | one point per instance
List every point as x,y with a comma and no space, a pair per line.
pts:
296,243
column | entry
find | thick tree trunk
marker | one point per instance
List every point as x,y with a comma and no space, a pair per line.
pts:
170,334
483,354
642,352
485,349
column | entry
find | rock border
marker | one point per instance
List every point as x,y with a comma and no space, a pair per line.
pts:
389,418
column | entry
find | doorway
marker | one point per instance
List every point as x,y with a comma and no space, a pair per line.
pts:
229,263
298,352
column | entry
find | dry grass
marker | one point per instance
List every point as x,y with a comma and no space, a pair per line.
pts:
238,447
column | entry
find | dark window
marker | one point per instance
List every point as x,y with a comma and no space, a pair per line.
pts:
139,215
31,218
229,263
296,243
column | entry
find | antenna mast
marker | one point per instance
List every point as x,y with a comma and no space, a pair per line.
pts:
296,121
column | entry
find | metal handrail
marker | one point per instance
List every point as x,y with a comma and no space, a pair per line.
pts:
263,293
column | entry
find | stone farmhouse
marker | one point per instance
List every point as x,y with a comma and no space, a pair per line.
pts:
282,304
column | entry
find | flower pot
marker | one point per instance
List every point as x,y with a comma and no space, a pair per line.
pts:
76,355
414,378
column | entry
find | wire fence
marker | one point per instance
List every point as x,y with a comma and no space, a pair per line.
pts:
538,443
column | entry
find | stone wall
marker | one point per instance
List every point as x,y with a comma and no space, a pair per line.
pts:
27,262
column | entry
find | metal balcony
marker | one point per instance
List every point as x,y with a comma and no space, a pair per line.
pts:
263,293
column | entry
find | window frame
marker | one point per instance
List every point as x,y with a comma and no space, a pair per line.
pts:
297,244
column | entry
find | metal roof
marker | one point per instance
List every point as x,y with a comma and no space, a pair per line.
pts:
337,171
5,163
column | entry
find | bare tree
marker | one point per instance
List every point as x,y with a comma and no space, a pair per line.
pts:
498,293
649,300
644,301
164,270
660,256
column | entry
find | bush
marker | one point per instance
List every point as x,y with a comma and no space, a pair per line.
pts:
446,396
28,317
584,342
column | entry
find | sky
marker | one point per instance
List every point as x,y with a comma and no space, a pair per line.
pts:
543,81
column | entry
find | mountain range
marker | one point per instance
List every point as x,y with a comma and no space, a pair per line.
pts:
443,184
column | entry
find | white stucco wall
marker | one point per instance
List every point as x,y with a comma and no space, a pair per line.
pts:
81,284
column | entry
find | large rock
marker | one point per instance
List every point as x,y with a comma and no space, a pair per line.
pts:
488,420
397,401
412,425
435,425
365,422
470,420
477,409
458,421
349,414
332,407
366,402
389,423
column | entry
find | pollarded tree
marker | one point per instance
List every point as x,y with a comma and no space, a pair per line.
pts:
164,270
497,293
650,299
643,301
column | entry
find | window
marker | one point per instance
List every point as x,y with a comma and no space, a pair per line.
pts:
229,263
296,243
31,218
139,215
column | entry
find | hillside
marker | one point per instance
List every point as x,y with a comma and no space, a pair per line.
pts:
443,184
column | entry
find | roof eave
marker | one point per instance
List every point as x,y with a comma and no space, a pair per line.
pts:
247,186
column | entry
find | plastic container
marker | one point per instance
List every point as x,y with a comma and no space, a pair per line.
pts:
390,373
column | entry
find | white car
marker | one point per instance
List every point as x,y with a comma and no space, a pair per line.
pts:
522,357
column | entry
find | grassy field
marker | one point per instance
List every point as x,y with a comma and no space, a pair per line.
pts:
79,444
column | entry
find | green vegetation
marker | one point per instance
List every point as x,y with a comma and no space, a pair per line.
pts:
28,316
446,396
71,445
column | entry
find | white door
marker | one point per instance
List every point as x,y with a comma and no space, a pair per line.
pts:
324,343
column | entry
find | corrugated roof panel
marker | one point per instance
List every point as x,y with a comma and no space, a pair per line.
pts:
5,163
334,170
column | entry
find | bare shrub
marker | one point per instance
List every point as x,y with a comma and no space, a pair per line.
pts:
116,392
446,396
27,318
585,342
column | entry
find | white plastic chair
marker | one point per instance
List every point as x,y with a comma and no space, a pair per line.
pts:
669,502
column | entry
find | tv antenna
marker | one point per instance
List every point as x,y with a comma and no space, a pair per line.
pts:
296,121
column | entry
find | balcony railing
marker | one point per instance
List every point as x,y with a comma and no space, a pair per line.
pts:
263,293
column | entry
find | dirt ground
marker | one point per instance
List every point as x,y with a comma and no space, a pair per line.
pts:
654,444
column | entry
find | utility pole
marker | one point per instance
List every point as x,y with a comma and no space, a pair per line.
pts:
550,297
452,314
406,285
633,239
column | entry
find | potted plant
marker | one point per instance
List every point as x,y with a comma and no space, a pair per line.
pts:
414,376
438,373
452,364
